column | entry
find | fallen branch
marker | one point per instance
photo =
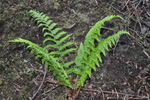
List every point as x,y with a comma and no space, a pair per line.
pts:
104,92
41,82
118,93
125,4
115,98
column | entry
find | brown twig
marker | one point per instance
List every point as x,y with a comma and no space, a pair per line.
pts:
139,42
109,29
114,98
125,4
69,27
76,93
138,4
74,13
118,93
50,90
146,54
118,10
41,82
137,14
102,93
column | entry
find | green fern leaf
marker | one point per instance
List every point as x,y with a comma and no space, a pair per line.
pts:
66,65
69,71
77,71
45,21
89,71
55,53
56,30
47,34
52,26
80,55
63,53
38,56
65,45
40,25
48,22
51,46
58,35
97,54
95,59
49,39
101,47
63,39
82,80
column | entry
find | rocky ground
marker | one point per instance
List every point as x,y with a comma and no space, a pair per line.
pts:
124,73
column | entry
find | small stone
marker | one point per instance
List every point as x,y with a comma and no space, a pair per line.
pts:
90,87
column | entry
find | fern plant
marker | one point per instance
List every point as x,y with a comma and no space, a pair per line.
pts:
57,47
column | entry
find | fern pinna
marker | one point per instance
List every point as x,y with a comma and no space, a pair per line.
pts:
88,56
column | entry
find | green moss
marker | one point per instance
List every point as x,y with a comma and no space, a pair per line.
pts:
1,82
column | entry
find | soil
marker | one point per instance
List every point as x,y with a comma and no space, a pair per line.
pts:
124,73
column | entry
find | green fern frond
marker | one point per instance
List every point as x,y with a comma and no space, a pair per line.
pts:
55,38
89,55
56,34
56,48
35,47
